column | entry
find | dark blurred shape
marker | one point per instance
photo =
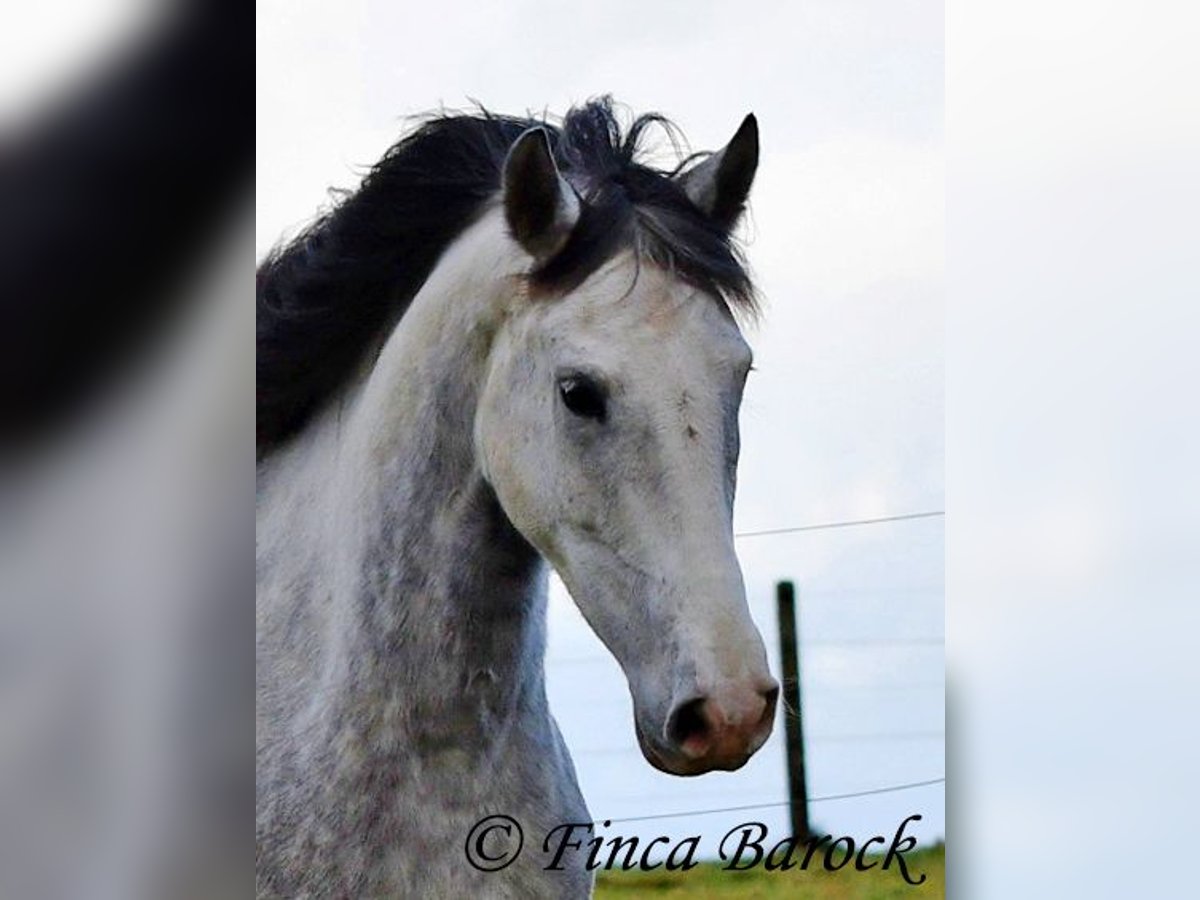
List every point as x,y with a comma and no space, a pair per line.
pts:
126,672
107,202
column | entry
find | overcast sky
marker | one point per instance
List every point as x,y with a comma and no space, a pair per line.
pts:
843,418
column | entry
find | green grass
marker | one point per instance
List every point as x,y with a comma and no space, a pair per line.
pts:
709,880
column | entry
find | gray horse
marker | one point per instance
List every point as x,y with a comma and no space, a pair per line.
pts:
514,345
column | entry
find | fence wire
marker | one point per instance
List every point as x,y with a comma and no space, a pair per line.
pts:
783,803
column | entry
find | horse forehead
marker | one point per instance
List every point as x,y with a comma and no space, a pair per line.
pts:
648,310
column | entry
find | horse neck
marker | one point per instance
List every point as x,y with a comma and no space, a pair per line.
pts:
439,600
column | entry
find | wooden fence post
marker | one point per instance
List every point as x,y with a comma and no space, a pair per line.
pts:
789,654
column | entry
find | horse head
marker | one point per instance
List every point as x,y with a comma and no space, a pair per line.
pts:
607,427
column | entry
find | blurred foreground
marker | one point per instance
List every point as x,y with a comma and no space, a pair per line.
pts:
125,358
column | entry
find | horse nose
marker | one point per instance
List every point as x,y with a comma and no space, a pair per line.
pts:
722,729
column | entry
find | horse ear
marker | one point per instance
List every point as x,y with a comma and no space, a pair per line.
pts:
540,206
720,185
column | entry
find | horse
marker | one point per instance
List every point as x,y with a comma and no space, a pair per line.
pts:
517,345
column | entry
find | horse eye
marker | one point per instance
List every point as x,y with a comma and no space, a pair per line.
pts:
583,397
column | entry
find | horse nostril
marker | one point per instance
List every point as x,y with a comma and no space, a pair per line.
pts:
723,729
767,719
688,727
771,696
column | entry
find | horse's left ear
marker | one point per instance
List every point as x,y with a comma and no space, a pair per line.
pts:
721,184
540,206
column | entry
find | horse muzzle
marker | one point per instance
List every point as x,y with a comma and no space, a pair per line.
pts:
717,730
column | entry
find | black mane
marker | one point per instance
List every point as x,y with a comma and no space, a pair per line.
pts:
324,298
